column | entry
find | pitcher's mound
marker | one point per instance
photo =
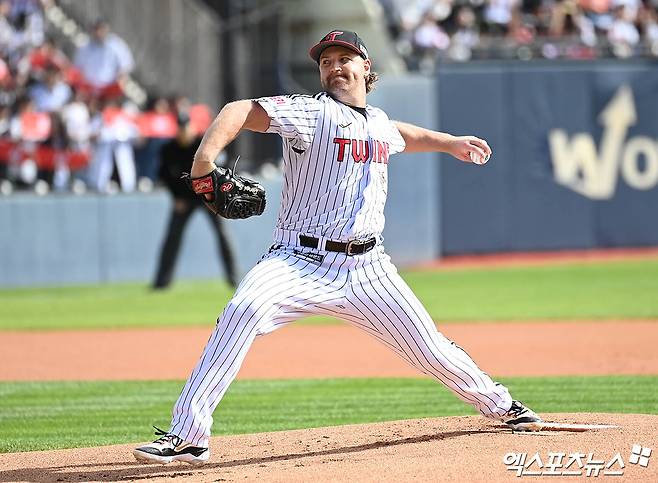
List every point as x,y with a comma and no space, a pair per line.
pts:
465,448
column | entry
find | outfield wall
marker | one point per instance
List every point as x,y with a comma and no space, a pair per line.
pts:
575,160
66,239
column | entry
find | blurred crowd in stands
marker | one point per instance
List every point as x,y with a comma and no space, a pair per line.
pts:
65,123
427,31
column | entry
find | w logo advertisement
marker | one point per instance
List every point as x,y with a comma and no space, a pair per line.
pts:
595,171
575,156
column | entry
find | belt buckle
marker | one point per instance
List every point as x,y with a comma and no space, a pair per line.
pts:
354,243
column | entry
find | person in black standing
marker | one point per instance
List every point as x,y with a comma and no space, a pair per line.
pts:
176,157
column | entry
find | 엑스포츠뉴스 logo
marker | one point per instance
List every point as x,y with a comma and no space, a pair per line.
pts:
228,186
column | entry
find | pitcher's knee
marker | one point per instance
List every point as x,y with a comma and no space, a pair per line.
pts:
245,313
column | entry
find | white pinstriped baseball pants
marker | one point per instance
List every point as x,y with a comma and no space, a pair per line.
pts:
364,290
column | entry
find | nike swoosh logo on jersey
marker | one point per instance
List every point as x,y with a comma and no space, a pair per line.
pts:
297,150
345,125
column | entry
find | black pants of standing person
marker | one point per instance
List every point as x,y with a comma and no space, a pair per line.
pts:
180,215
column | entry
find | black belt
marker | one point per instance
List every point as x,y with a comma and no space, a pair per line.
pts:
354,247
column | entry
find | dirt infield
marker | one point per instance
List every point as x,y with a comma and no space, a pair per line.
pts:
442,449
547,349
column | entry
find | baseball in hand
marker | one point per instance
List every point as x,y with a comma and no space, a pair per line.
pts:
477,159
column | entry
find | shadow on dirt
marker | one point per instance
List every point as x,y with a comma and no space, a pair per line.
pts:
130,470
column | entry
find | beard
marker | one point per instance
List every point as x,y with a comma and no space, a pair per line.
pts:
336,84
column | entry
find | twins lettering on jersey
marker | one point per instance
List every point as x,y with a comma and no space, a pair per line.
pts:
362,150
334,166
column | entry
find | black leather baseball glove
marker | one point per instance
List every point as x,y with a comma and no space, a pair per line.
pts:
230,196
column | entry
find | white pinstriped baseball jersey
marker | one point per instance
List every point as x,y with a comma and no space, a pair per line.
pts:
335,184
334,167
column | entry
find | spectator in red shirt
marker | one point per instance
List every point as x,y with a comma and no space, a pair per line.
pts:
157,126
47,55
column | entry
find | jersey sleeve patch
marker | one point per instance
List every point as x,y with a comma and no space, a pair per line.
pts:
291,115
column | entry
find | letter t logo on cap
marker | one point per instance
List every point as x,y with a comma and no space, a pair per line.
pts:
333,35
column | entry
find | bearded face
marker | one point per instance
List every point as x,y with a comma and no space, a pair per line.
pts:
342,71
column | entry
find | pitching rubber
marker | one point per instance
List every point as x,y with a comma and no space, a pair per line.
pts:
570,427
575,427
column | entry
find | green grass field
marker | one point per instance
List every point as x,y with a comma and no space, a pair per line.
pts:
51,415
568,291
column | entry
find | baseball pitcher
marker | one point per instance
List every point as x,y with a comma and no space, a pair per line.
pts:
327,255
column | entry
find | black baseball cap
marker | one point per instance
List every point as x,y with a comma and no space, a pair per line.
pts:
343,38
